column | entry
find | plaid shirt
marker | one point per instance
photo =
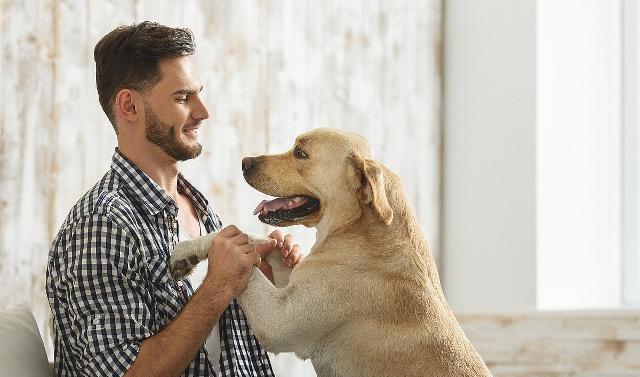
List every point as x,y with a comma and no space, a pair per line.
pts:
109,284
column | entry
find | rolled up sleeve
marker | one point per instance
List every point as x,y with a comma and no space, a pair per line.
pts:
98,296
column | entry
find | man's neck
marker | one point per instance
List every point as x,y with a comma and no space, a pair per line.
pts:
161,168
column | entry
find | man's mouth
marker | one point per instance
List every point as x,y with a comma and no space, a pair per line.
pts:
286,209
193,131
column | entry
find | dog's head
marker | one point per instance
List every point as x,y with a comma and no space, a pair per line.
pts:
326,174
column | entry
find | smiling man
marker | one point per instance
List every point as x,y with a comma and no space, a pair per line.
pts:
116,308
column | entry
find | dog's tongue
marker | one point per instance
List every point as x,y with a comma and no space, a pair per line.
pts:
279,203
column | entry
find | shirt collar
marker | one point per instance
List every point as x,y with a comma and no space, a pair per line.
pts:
196,196
153,197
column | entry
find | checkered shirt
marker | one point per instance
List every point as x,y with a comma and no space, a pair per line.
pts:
109,284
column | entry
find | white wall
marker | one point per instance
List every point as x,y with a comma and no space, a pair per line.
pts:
489,143
532,142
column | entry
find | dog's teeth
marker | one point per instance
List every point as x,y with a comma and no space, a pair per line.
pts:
277,204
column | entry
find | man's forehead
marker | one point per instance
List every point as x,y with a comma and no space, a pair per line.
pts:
180,73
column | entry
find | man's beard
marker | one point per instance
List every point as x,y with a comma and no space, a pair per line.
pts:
165,136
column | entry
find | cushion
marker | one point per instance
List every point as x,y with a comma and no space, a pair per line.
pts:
22,352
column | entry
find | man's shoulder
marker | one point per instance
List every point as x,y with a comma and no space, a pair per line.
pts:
107,198
106,209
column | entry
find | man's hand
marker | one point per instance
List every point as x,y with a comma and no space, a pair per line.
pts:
290,251
285,246
231,259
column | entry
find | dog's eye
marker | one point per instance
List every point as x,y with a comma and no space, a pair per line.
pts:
299,153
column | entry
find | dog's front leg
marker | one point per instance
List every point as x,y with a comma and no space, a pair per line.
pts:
265,307
294,318
187,254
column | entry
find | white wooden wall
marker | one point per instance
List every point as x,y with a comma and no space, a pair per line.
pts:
271,70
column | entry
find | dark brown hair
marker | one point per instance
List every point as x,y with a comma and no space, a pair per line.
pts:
129,56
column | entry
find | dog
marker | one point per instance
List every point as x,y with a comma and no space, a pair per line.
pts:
367,299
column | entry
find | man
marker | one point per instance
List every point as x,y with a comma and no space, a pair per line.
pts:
116,308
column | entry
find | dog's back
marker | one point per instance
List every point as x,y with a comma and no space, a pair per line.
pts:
400,323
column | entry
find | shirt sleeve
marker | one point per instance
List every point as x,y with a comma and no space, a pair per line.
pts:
102,307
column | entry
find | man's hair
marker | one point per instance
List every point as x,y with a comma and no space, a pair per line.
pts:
129,56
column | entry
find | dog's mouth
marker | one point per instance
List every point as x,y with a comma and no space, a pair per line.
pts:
287,209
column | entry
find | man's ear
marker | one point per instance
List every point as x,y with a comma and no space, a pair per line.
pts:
125,105
371,188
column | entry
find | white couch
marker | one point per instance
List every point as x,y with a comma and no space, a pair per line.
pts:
22,352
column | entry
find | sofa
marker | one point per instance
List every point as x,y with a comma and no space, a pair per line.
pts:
22,351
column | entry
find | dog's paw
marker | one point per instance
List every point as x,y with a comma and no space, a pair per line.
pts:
181,268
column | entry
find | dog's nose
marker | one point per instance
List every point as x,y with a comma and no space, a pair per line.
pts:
247,163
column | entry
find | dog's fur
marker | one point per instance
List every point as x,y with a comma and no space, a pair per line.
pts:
367,300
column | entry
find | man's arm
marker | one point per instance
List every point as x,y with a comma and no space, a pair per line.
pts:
170,351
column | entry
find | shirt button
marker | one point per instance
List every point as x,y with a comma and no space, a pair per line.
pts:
96,321
179,283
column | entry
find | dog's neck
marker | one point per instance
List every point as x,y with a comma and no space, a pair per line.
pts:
400,243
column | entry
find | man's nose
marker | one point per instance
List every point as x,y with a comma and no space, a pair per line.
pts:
201,112
248,163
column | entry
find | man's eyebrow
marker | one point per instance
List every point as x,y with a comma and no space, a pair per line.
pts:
186,91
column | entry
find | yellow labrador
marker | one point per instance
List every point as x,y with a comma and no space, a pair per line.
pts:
367,300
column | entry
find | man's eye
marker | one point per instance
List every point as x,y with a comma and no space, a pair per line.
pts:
182,99
299,153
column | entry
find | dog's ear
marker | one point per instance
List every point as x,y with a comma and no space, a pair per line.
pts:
371,187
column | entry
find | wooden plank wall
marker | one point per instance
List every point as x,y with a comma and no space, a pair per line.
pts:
551,344
271,69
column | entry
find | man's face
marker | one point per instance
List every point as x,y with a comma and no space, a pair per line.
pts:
174,109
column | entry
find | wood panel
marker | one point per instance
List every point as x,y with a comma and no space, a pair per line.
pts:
271,69
584,344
